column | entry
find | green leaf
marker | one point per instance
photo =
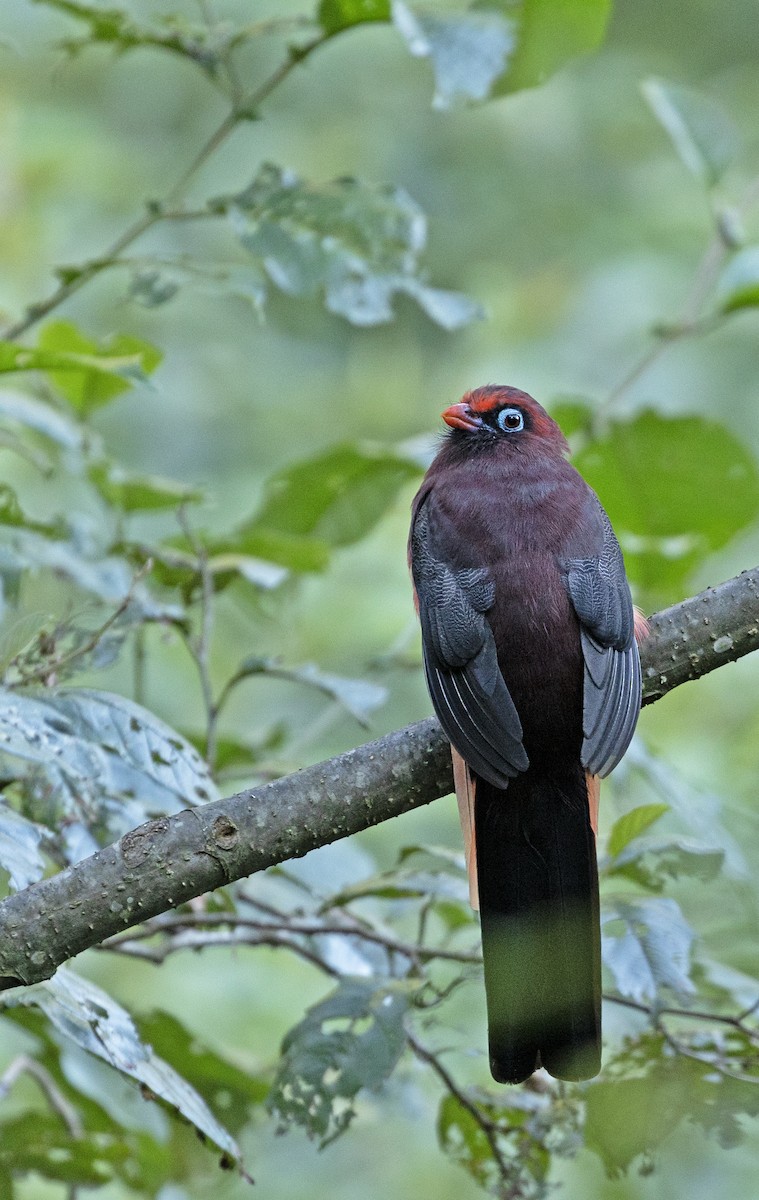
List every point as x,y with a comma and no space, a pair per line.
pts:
90,376
632,824
651,861
703,135
331,500
676,489
627,1118
103,751
468,51
19,847
646,945
77,374
336,15
39,1143
132,492
549,33
229,1091
88,1016
357,244
738,286
349,1041
464,1140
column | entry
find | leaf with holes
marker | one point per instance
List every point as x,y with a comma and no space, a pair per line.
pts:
468,51
359,245
349,1041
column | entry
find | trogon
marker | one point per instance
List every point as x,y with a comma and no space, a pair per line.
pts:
531,660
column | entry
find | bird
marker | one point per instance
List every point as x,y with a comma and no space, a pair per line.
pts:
529,640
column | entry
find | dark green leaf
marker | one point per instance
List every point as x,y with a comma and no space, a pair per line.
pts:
132,493
464,1140
468,51
349,1041
632,824
549,33
676,489
336,15
230,1092
703,135
332,500
88,375
646,945
738,286
356,243
19,847
39,1143
88,1016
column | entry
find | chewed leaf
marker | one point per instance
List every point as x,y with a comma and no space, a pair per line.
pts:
357,244
83,1013
468,51
349,1041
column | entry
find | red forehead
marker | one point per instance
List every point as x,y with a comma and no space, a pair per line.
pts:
486,399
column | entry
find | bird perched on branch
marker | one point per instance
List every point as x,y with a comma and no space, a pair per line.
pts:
530,654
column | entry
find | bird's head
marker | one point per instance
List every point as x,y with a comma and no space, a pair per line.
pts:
499,414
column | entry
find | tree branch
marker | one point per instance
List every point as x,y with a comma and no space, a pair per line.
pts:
169,861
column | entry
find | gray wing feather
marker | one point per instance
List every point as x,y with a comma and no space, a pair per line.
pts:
612,688
467,689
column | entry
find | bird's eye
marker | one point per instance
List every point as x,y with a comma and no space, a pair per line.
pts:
511,420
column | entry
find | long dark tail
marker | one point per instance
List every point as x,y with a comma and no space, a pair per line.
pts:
538,887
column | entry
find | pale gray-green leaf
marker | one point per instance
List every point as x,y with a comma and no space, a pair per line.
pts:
87,1016
738,286
101,749
19,848
357,244
649,949
702,133
468,51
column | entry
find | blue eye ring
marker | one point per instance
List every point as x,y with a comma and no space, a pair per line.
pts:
511,420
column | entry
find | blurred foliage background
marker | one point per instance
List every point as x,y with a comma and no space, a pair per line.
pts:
615,289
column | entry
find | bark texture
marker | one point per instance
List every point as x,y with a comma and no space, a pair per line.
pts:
166,862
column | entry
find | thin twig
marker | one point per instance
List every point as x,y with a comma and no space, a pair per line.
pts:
303,928
24,1065
47,670
488,1127
154,212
